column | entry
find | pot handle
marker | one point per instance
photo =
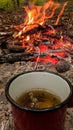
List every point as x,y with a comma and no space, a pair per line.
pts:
70,104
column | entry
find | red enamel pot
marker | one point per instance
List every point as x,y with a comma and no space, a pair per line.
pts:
52,118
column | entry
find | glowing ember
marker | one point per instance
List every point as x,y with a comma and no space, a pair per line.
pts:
34,32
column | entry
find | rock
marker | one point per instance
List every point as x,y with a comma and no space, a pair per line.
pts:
62,66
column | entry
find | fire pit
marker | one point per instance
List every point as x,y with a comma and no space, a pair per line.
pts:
36,39
45,44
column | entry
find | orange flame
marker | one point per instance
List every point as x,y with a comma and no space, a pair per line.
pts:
27,38
37,15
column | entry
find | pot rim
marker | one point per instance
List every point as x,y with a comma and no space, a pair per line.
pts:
62,104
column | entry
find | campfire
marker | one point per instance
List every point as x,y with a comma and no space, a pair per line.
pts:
37,40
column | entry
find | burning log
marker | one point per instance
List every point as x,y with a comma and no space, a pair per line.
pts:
34,29
25,56
50,51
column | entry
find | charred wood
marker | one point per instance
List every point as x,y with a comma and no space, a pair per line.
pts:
3,39
3,44
58,26
26,56
6,33
16,48
57,36
12,57
55,27
33,30
68,38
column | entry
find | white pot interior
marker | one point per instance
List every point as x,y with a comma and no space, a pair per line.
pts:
42,80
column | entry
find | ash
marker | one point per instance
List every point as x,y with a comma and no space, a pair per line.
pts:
9,70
